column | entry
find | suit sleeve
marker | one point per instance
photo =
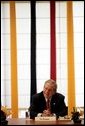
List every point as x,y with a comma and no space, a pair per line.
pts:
62,107
33,108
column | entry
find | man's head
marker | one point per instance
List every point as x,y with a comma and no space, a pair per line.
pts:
50,88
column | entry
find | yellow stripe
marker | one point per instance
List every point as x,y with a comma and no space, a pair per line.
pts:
70,53
14,88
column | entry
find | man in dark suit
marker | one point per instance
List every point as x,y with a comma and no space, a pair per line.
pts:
48,101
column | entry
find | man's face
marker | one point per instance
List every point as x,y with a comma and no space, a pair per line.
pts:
48,90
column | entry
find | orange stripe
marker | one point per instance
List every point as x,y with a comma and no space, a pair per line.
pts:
14,88
70,53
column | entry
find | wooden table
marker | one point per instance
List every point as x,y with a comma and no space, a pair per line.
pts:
24,121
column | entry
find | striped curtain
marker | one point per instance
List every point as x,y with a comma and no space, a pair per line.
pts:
41,47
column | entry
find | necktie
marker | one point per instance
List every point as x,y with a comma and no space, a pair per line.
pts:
48,104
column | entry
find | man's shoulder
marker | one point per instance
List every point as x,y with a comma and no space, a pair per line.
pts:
37,95
59,95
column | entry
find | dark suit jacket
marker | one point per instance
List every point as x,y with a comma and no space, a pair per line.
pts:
39,104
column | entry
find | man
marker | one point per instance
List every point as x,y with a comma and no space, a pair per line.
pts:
48,101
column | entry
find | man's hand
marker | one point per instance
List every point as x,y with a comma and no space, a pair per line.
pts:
46,113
